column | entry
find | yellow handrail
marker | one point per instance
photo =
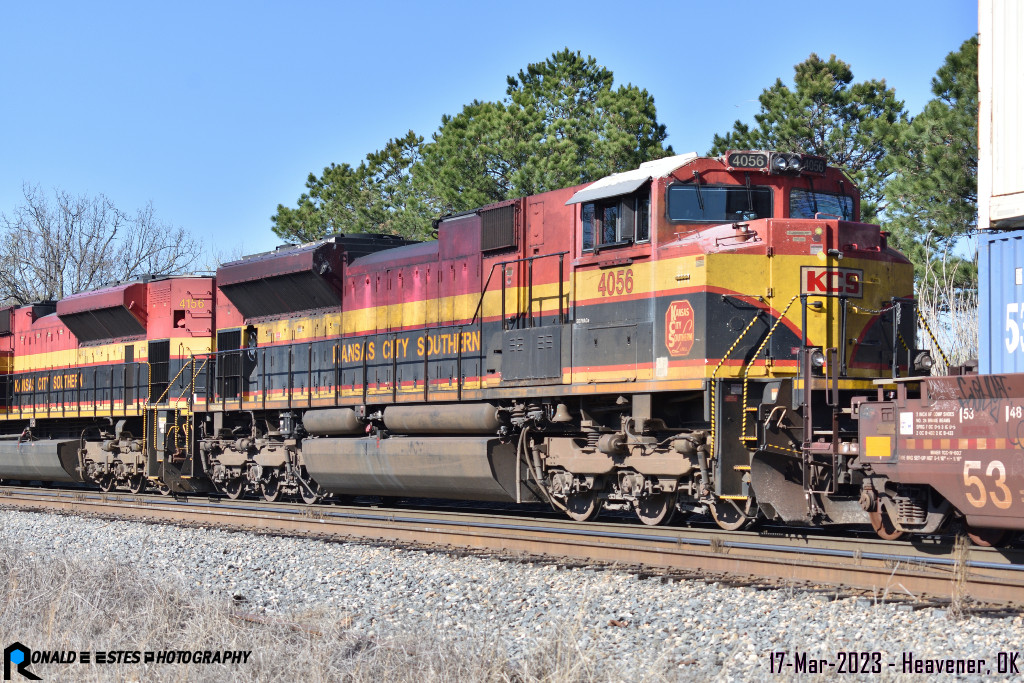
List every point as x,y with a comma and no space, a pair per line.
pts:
746,369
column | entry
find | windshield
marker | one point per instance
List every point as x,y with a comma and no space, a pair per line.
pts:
718,203
805,204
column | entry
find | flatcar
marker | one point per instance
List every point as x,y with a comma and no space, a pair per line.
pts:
689,335
941,452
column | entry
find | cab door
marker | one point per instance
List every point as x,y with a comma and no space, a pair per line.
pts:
613,311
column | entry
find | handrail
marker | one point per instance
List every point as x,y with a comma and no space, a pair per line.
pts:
746,369
714,373
529,259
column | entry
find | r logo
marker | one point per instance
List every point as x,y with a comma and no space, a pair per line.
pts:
679,328
18,655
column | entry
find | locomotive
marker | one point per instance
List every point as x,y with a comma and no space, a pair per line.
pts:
693,335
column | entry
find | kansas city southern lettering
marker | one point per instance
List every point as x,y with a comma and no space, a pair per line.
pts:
405,348
61,382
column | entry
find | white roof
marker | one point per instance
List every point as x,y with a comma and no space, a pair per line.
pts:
628,181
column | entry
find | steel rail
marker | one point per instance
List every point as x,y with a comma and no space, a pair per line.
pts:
925,568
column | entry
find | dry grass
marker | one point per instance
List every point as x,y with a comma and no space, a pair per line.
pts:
961,568
56,604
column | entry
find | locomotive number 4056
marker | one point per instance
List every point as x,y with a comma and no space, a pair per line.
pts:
616,282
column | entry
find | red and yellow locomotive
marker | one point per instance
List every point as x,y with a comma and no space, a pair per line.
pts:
687,335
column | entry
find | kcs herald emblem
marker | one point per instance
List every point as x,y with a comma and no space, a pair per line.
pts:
679,327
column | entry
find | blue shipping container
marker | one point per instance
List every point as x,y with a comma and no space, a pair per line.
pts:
1000,302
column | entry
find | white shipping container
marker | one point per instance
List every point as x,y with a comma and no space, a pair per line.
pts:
1001,102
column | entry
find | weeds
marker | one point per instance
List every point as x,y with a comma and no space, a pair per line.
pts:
958,597
52,603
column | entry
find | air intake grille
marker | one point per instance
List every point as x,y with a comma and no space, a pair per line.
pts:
498,228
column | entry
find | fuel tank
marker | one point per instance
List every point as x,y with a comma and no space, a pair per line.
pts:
44,460
466,468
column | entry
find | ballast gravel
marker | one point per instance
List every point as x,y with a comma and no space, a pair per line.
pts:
686,630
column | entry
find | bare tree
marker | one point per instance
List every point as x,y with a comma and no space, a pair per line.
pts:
56,247
948,305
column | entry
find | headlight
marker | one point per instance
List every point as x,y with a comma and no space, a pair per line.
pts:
794,163
817,359
779,163
923,361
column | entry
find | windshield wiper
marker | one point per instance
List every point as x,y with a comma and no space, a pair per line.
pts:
700,198
750,195
843,200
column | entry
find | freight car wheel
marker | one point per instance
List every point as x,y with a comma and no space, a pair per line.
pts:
656,509
583,507
728,516
986,538
883,526
137,484
234,488
106,484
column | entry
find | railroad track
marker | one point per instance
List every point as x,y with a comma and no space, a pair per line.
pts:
925,572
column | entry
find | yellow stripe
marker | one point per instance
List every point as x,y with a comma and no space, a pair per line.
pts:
106,354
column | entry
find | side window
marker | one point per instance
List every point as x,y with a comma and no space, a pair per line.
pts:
617,221
587,214
643,218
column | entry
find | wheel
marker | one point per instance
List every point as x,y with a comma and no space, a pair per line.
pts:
271,490
883,526
234,488
310,493
728,515
583,507
107,483
986,538
137,484
658,508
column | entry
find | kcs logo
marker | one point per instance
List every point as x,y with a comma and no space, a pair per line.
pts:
842,281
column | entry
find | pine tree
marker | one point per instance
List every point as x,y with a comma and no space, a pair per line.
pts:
561,124
852,125
933,196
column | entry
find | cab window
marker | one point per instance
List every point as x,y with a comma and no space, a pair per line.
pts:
806,204
616,221
718,203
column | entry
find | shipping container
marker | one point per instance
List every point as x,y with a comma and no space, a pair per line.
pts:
1001,302
1001,103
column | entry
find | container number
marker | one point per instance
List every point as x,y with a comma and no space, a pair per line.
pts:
996,470
1013,340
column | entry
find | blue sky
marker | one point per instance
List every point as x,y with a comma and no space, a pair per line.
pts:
217,111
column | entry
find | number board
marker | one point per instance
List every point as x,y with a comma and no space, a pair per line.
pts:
813,165
747,160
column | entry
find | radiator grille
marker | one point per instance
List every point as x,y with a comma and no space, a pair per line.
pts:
498,228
